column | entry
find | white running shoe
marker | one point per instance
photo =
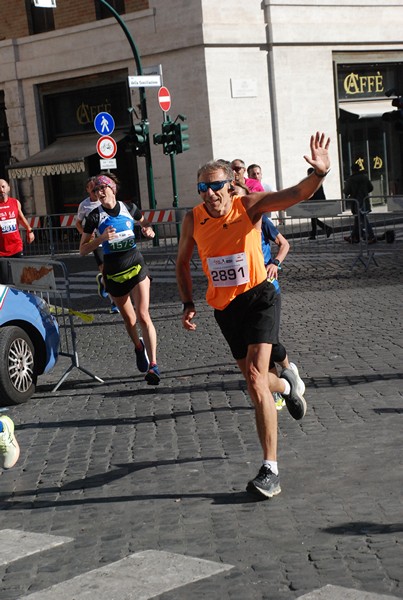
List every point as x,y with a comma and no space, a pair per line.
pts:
294,400
301,384
9,448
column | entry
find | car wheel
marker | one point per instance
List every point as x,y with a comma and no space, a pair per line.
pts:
17,365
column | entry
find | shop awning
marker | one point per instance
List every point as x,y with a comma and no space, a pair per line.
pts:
365,109
65,155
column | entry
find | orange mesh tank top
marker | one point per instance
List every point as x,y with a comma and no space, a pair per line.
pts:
230,249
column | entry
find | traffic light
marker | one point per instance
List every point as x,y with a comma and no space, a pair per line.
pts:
173,138
167,138
181,138
138,137
395,116
168,131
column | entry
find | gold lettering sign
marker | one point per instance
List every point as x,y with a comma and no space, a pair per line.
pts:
86,113
360,163
363,84
377,162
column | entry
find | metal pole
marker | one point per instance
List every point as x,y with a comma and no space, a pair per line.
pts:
143,103
175,202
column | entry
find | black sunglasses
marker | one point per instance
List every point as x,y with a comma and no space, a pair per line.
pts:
237,169
213,185
98,188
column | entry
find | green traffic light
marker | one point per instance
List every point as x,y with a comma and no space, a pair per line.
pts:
181,137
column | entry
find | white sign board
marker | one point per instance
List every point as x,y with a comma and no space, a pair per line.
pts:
45,3
144,81
153,70
107,163
327,208
244,88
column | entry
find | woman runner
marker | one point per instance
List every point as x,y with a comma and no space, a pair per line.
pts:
125,273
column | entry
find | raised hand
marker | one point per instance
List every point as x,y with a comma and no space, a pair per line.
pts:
319,158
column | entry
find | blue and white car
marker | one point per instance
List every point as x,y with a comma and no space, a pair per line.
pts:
29,343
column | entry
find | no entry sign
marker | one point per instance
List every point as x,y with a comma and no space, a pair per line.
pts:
164,99
106,147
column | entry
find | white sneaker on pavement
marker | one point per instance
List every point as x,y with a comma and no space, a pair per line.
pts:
9,448
301,384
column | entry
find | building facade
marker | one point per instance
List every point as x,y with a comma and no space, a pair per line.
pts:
254,80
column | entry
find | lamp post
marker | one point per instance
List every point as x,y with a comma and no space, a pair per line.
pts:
143,103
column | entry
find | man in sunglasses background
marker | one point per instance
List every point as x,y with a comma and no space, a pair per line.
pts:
227,232
238,167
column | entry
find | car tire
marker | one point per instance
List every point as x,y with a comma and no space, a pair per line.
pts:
17,365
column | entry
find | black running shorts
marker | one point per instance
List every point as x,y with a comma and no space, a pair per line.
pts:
249,319
123,271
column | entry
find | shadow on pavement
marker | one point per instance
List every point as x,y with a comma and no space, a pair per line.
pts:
121,470
364,528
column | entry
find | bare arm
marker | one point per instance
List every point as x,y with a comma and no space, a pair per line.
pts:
89,243
79,226
257,204
24,222
183,274
146,228
284,246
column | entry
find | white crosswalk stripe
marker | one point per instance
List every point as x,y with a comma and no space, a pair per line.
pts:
16,544
335,592
139,576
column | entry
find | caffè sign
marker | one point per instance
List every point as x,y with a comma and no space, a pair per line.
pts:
365,81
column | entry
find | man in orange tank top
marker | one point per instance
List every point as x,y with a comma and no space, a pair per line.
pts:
226,230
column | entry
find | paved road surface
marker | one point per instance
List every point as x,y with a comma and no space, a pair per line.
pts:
128,491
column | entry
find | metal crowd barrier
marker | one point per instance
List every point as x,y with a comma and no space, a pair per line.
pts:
56,235
49,279
387,227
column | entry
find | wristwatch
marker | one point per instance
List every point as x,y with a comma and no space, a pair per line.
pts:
187,305
276,262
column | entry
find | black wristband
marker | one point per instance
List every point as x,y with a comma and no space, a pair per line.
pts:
187,305
321,174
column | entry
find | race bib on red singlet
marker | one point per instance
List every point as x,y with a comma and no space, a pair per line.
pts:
8,225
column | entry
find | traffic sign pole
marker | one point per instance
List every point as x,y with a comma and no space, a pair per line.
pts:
143,106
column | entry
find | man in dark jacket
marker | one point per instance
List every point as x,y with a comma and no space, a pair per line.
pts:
315,222
357,187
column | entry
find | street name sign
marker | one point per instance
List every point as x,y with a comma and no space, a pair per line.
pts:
144,81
